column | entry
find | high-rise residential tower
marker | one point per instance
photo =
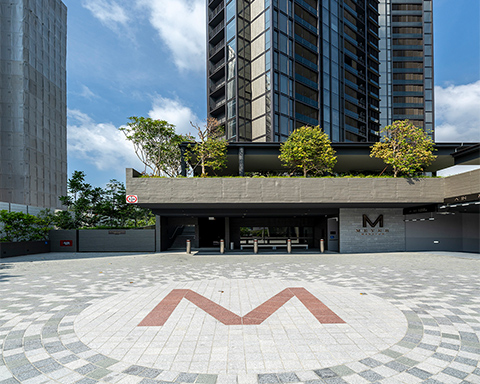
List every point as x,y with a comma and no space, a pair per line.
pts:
33,134
274,65
406,55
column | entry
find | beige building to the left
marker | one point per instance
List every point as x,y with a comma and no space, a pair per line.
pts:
33,108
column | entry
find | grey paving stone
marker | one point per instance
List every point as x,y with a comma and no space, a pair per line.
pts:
184,377
443,356
86,380
87,368
464,360
476,372
152,373
342,370
268,378
395,365
391,353
428,347
206,379
422,374
325,373
107,362
369,362
54,347
16,357
455,373
12,344
371,376
98,373
134,370
77,347
468,336
432,381
32,345
25,372
288,377
407,361
11,380
68,359
453,347
431,332
450,336
335,380
149,381
96,358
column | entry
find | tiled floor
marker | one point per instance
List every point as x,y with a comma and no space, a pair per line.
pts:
386,318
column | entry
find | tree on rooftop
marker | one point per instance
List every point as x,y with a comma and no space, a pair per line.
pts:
211,149
308,149
156,144
407,148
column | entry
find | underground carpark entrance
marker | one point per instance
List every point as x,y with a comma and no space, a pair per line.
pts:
270,230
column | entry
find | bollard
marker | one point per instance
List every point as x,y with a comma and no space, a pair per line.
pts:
222,246
322,246
255,246
189,247
289,246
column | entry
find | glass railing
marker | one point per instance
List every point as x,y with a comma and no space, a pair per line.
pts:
306,119
306,100
306,43
306,62
307,6
306,81
306,24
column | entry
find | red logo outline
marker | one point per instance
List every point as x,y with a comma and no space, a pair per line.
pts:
161,313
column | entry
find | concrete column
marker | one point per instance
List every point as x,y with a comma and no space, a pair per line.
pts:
158,233
183,163
227,232
241,161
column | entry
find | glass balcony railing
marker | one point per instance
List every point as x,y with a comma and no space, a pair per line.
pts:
306,119
306,81
306,100
306,62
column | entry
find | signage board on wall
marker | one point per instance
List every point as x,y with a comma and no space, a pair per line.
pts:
373,227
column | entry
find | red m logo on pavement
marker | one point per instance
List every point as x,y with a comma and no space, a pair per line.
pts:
162,311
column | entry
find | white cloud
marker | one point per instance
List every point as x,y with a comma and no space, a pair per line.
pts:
87,93
174,112
181,26
100,144
109,12
457,109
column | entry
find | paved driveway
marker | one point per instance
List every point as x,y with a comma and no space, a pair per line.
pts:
268,319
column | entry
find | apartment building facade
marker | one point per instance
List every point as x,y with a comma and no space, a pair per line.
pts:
274,65
33,121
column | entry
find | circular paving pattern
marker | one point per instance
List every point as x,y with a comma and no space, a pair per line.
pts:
350,326
404,318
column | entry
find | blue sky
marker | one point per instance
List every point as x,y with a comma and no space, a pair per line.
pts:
147,58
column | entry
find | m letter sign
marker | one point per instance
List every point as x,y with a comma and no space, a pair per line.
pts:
366,220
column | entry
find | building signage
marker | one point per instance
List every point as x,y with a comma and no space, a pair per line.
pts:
372,228
132,199
420,209
463,198
66,243
117,232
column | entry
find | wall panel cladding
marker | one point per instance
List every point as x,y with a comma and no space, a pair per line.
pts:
354,237
130,240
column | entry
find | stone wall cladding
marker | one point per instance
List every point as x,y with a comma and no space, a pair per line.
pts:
284,190
463,184
102,240
352,241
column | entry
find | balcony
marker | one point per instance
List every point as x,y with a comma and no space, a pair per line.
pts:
217,66
305,81
215,30
306,119
306,62
213,13
217,104
218,85
309,8
306,25
306,100
306,43
215,49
